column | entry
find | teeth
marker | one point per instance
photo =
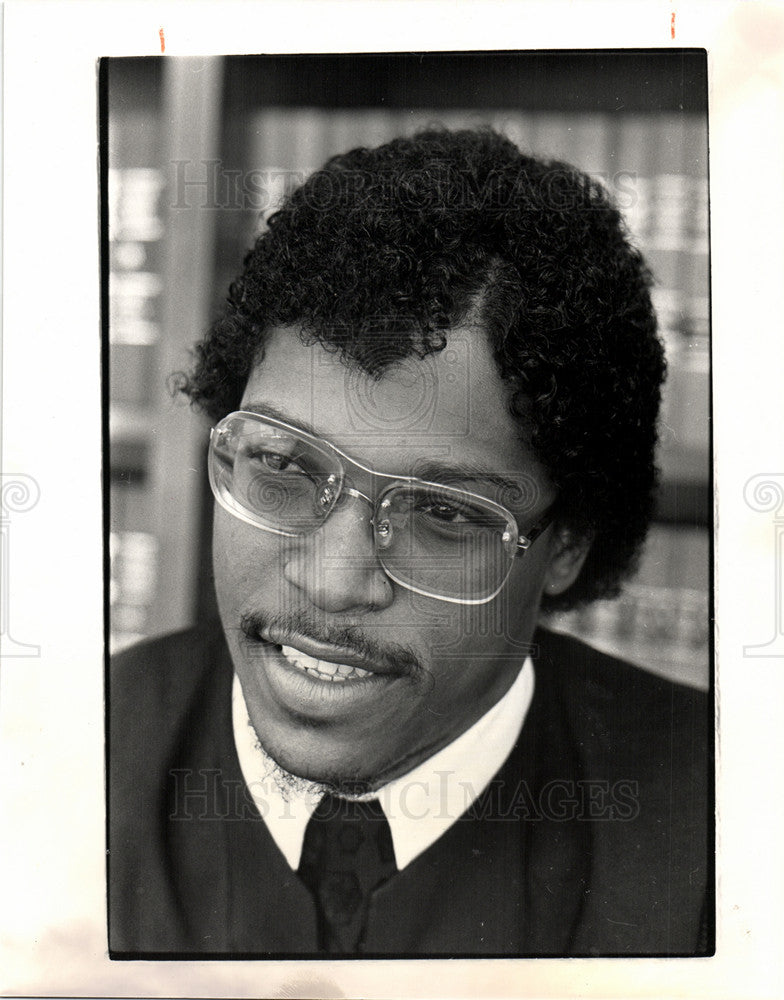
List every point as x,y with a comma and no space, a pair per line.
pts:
322,669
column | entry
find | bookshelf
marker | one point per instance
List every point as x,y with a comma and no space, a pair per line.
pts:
161,258
225,123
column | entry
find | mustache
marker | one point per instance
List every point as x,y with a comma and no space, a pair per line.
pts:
393,656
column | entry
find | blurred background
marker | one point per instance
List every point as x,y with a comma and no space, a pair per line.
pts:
198,152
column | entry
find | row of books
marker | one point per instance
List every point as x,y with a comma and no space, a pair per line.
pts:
655,166
136,231
662,619
133,557
667,212
663,629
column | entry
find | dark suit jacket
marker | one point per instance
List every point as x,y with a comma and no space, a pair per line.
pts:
593,839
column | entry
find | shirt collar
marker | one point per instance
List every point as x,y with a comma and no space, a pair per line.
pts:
420,805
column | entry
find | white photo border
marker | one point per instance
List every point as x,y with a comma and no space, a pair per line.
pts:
52,846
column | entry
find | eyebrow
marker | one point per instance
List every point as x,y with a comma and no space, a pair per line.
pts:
268,410
436,471
432,470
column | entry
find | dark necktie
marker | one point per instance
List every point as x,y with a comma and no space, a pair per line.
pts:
346,854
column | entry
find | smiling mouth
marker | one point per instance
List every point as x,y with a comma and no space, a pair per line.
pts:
333,656
323,670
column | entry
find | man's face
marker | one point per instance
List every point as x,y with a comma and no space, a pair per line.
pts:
438,666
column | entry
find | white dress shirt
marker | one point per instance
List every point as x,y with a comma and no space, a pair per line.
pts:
420,806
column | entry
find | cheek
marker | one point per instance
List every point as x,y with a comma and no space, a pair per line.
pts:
480,641
527,581
471,666
243,559
484,643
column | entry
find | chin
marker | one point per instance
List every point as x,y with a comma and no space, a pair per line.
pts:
326,766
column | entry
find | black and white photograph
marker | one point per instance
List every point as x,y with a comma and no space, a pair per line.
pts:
409,505
392,499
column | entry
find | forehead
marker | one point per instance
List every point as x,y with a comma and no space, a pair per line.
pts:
451,406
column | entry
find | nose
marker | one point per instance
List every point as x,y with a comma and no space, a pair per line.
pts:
336,567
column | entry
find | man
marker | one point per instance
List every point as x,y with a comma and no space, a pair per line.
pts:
435,389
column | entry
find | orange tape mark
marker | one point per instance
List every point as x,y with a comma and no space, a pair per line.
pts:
163,40
672,28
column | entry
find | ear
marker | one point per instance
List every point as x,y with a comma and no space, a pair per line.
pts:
567,555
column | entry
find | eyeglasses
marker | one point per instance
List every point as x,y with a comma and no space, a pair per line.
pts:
433,539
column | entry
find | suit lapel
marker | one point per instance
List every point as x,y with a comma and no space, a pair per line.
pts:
556,843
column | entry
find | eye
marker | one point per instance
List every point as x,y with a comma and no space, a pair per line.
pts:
446,513
276,457
276,462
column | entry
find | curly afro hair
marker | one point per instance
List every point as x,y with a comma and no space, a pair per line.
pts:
379,253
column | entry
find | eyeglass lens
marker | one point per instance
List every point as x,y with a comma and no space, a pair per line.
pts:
437,541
